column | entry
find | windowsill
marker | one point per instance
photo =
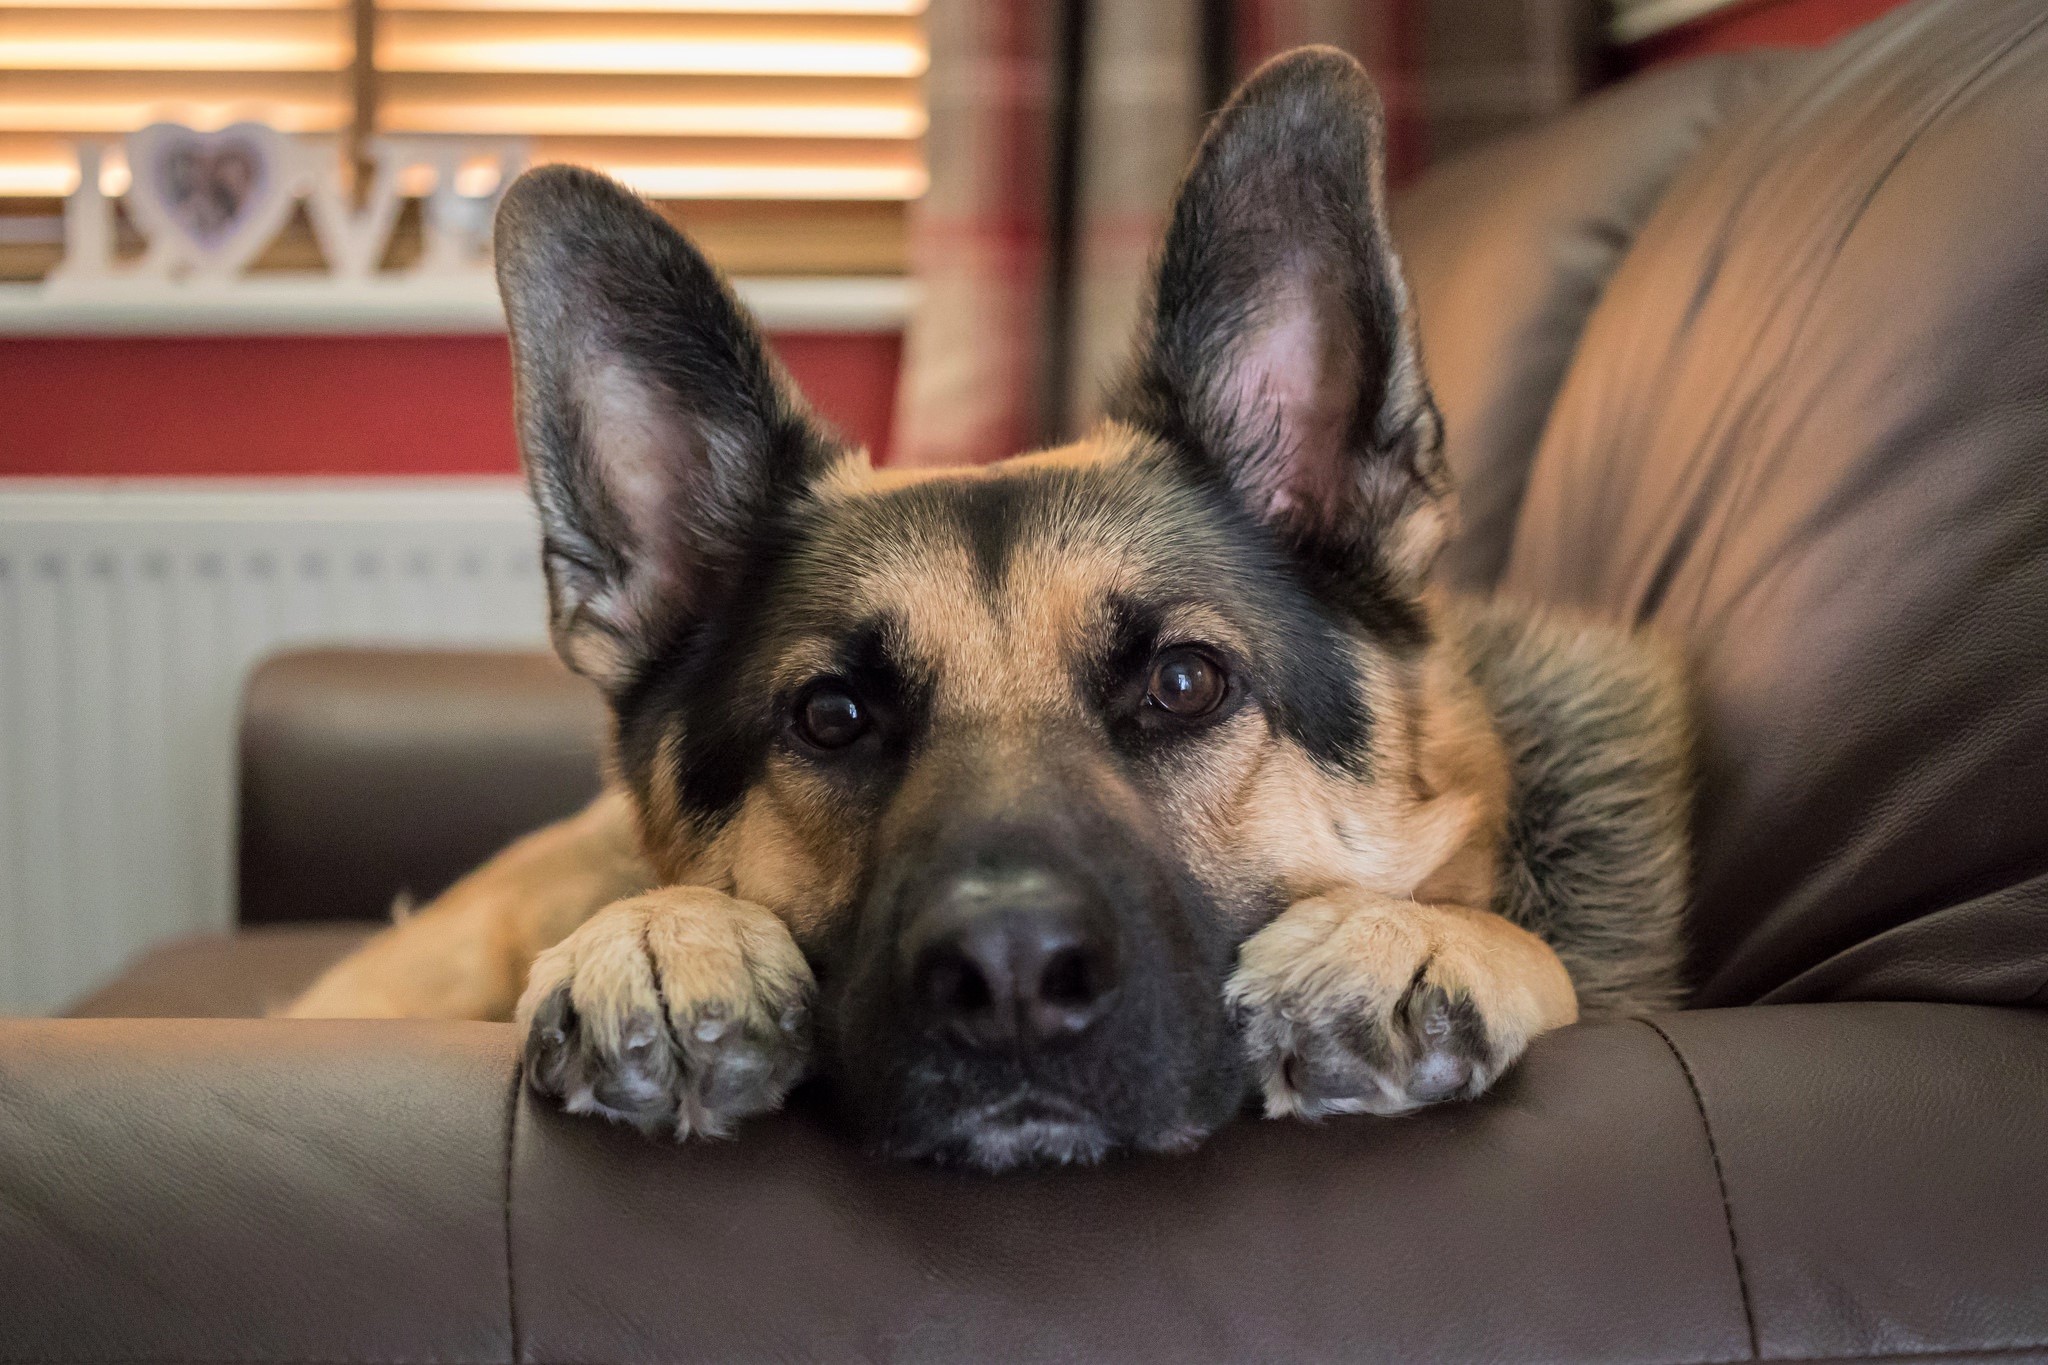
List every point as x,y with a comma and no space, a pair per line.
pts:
318,306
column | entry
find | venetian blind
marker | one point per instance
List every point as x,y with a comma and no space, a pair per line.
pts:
786,133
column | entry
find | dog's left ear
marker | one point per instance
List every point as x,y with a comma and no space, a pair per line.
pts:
1279,352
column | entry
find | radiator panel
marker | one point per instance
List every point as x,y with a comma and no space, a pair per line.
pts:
131,613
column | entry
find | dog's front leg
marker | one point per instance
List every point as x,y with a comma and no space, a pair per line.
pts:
680,1011
1358,1002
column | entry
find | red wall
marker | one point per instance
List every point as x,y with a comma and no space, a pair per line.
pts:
357,405
1764,23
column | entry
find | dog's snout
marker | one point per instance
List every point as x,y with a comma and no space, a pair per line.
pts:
1011,959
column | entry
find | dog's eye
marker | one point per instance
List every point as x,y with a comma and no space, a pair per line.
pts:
829,716
1186,683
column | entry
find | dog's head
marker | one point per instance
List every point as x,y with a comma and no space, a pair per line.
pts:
1021,754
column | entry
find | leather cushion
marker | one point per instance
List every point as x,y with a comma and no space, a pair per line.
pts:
1804,438
1571,1216
368,773
224,976
1844,1181
1508,249
1883,1166
296,1191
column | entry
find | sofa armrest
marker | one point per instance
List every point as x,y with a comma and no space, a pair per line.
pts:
1821,1181
371,773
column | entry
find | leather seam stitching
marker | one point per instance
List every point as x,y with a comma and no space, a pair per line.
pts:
1699,1104
2039,995
511,1278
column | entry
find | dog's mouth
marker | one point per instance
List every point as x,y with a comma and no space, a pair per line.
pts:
1035,1128
1028,1127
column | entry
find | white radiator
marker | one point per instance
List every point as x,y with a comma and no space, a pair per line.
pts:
131,613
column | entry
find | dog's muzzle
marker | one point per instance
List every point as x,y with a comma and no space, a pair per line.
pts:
1028,980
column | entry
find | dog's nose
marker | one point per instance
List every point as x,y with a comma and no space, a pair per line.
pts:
1009,958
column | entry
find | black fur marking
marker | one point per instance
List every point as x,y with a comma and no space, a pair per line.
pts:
709,681
989,514
1114,679
699,678
874,662
1118,681
1303,670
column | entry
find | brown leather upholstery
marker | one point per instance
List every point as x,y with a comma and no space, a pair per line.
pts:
1842,1181
367,774
225,976
1804,433
1508,249
252,1191
1804,437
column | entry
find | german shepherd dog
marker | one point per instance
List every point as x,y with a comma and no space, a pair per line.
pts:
1066,804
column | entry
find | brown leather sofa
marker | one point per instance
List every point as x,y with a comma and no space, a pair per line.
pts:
1755,352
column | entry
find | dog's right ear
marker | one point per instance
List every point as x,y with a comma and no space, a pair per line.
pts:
1280,354
655,426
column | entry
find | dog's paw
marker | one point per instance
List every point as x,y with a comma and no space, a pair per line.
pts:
681,1011
1359,1003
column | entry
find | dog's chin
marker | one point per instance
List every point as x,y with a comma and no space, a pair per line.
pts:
1033,1142
1026,1130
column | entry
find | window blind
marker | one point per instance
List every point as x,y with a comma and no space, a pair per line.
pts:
786,133
84,68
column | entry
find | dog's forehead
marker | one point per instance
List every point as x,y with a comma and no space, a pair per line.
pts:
996,579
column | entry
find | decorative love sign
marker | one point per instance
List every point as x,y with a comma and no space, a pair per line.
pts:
208,203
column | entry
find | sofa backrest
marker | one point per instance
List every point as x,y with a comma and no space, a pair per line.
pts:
1805,436
1507,252
372,773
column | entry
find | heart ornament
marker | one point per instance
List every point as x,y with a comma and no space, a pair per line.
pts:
209,202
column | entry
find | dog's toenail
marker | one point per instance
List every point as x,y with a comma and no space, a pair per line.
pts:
709,1030
1438,1076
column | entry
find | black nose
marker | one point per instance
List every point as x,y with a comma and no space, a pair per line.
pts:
1009,958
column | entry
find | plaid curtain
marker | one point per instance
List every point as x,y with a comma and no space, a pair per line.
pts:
1058,131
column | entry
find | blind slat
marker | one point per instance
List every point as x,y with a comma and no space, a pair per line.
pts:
173,40
647,43
647,106
905,8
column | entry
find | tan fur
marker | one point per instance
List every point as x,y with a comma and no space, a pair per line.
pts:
1360,953
856,475
1437,801
1002,665
670,951
778,854
681,995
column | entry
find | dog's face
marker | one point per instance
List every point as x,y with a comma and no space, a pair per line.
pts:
1021,754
